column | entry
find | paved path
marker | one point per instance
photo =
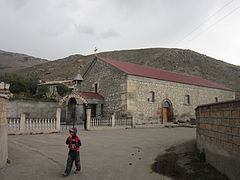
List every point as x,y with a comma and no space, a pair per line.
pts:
105,155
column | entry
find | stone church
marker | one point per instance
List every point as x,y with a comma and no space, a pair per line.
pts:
150,95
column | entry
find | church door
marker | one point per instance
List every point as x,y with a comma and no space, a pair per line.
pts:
167,111
165,114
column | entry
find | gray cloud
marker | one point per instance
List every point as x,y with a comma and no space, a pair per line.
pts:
85,29
18,3
109,33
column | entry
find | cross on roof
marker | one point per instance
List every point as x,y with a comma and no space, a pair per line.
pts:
95,51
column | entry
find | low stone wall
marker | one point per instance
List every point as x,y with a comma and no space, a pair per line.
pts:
3,133
32,109
33,117
23,125
218,135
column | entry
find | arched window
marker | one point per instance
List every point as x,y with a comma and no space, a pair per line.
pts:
186,99
96,87
166,104
151,96
216,99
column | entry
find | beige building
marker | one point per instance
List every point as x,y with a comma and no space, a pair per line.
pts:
150,95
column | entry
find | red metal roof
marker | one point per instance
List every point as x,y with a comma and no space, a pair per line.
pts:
143,71
90,95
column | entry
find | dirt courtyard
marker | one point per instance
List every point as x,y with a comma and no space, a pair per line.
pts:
110,154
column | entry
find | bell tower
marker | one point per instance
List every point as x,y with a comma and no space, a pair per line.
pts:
78,80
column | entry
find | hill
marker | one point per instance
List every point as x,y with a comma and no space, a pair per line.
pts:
10,62
177,60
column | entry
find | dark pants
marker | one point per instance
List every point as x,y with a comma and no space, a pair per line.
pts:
73,156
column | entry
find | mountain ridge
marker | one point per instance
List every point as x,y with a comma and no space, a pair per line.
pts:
182,61
10,61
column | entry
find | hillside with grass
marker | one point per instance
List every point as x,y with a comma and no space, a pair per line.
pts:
10,62
176,60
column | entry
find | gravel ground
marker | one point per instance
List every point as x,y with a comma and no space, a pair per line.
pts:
110,154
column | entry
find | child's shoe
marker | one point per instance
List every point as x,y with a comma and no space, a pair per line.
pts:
77,172
65,174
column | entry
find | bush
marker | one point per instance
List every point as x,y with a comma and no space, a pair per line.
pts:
42,91
20,84
32,85
62,89
17,87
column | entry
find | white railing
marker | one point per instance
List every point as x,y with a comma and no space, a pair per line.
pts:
112,122
96,122
40,124
123,122
18,125
13,124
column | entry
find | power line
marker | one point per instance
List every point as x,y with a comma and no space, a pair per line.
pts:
209,27
205,20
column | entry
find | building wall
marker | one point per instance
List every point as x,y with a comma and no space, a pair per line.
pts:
32,109
111,85
138,89
237,94
218,135
3,133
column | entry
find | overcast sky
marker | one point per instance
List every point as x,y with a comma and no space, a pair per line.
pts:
54,29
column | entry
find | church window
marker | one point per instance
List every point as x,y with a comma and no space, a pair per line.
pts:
186,99
151,97
102,110
96,87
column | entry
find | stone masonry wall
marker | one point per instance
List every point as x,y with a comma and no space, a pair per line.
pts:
111,85
218,135
3,133
138,89
32,109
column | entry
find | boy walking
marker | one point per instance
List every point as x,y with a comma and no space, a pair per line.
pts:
74,143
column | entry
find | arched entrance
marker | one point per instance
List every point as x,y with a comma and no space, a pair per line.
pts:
167,111
72,110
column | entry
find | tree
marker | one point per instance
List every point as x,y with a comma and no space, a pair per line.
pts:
17,82
42,91
32,84
17,87
20,84
62,89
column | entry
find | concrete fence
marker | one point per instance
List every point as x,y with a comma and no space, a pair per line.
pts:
23,124
98,123
218,135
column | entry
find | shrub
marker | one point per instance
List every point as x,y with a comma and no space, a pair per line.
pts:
42,91
20,84
62,89
17,87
